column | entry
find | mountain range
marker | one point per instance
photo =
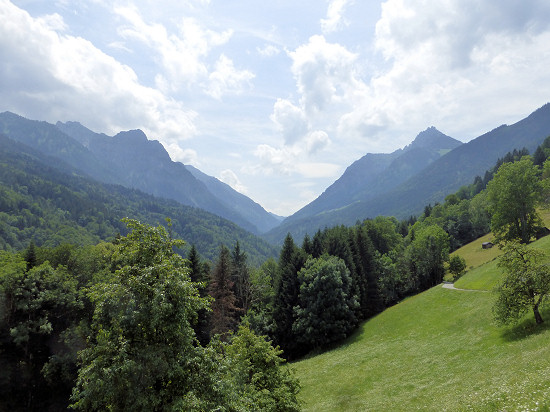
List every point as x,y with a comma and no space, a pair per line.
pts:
132,160
396,184
402,183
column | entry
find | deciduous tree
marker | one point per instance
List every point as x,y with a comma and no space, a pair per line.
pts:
513,194
326,304
526,283
142,352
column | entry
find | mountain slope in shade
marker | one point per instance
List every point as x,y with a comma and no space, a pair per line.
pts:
145,165
431,184
241,204
129,159
48,201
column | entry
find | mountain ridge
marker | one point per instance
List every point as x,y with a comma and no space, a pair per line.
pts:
431,184
131,159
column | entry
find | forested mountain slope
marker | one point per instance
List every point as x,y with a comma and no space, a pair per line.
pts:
130,159
373,175
56,205
429,184
236,201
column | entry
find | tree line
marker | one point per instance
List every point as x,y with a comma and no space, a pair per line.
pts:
131,324
113,327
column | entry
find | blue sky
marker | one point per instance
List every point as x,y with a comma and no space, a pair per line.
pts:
276,98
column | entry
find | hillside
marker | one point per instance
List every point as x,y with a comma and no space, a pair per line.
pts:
438,350
431,184
372,175
58,205
241,204
132,160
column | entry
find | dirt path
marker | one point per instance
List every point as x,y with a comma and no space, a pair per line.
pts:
450,285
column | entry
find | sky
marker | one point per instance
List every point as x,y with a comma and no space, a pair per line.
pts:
276,98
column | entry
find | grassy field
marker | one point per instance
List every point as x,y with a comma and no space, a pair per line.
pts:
437,351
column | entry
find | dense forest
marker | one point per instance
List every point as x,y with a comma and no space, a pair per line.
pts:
115,318
52,206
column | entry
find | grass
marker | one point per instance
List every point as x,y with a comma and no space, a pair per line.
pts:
487,276
475,255
437,351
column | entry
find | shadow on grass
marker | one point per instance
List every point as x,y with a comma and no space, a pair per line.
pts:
527,327
339,345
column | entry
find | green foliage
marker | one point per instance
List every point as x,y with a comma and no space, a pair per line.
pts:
257,372
525,286
457,266
142,353
287,287
225,313
383,233
38,311
426,255
326,306
52,207
513,194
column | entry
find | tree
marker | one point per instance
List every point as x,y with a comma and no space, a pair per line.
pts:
260,314
261,381
38,309
291,261
30,256
513,194
426,255
199,272
142,353
457,266
326,306
526,283
224,312
241,278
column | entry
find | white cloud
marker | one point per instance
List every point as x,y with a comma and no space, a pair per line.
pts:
268,50
325,73
54,73
456,59
318,170
290,120
181,55
53,22
229,177
335,19
317,141
227,79
185,156
273,160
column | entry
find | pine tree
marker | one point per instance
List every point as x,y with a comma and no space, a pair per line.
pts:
224,312
286,296
241,278
307,245
199,273
30,256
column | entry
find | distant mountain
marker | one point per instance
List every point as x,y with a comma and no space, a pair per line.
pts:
239,203
54,205
371,176
416,185
130,159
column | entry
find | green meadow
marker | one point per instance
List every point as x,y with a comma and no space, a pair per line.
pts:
437,351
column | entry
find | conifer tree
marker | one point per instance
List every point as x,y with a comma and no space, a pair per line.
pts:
286,295
30,256
224,312
241,278
317,246
199,272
